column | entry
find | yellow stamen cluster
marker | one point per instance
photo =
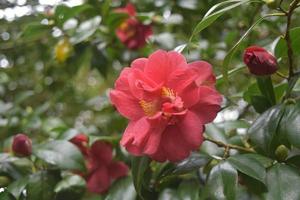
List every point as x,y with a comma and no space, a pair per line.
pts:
149,108
168,92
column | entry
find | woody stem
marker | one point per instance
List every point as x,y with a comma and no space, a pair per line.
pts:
287,38
229,146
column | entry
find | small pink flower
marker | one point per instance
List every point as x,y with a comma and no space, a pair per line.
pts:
102,169
168,102
259,61
132,32
22,145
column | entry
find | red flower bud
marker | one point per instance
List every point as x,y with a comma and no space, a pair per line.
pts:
22,145
260,61
81,141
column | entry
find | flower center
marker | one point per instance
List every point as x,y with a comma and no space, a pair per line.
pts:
168,104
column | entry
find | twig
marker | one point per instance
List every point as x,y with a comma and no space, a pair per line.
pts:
287,38
229,146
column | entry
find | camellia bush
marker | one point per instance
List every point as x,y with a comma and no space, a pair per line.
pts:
146,100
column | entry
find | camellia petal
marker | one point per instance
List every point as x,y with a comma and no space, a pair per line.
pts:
99,180
117,169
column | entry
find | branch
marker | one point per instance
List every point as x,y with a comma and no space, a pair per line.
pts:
229,146
287,38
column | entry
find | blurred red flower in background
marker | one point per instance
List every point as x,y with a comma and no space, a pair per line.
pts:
102,169
132,32
22,145
168,102
260,61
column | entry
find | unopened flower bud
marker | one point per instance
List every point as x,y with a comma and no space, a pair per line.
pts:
281,153
63,50
22,145
259,61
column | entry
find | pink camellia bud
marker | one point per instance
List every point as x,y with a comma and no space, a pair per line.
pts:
22,145
259,61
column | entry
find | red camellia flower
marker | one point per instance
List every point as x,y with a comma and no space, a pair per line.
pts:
102,170
168,102
260,61
22,145
132,32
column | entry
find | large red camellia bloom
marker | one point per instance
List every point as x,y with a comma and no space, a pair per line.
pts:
168,102
132,32
102,169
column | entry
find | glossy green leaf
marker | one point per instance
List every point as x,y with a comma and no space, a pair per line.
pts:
60,153
265,86
122,189
264,161
249,166
189,190
35,30
264,131
290,124
139,168
222,182
14,166
5,195
17,187
283,183
63,12
85,30
41,186
71,187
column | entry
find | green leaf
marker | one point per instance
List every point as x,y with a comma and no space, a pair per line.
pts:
280,90
100,61
211,16
264,161
264,131
232,51
71,187
189,190
41,186
85,30
139,167
115,19
17,187
260,103
222,182
13,166
122,189
290,124
5,195
35,30
193,162
266,88
63,12
62,154
281,46
248,166
168,194
283,183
